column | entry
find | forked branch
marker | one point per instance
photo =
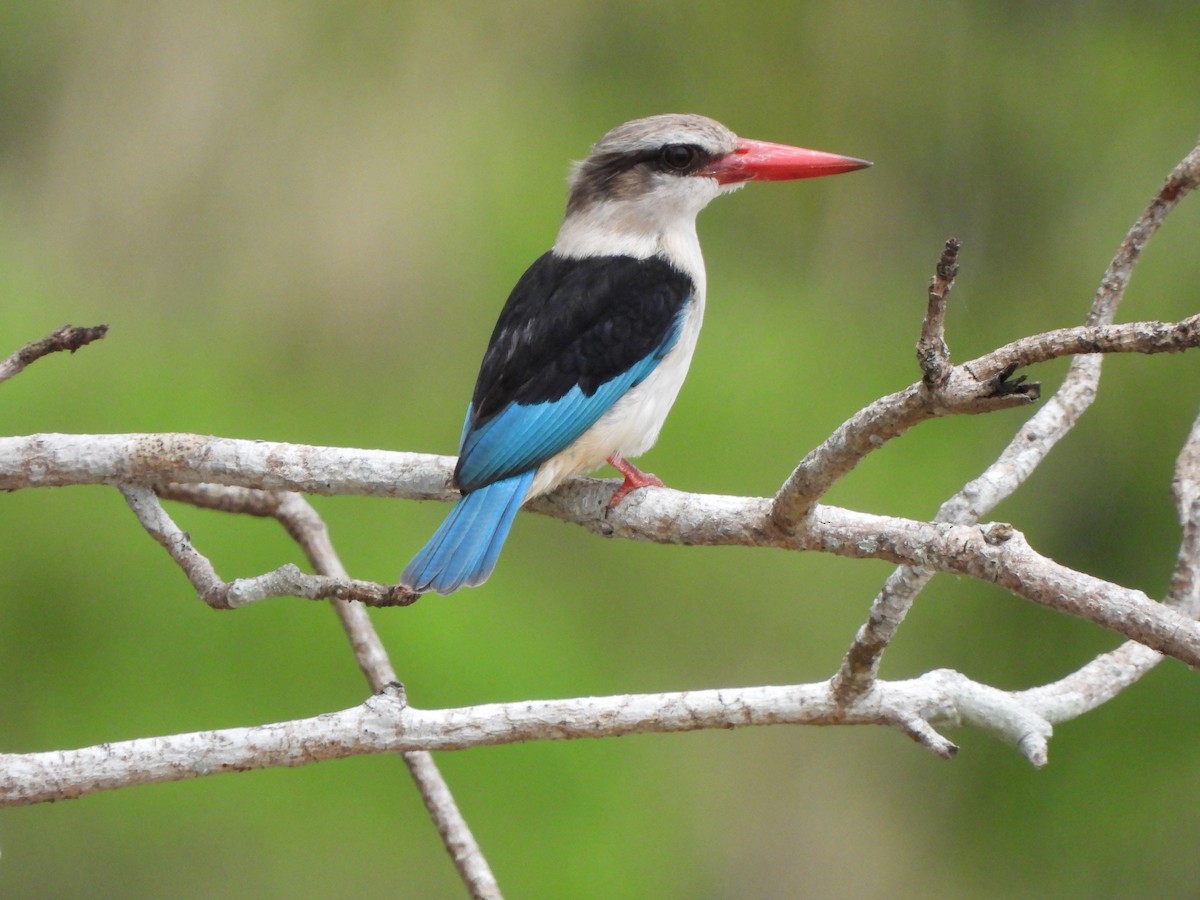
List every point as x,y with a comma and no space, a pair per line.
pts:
1035,439
306,527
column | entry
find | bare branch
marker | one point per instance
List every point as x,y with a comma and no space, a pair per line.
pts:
1093,684
386,723
286,581
58,460
1184,179
860,665
999,554
1035,439
1185,489
978,386
178,544
1130,337
69,338
932,353
456,835
996,553
1110,673
308,529
981,385
1024,453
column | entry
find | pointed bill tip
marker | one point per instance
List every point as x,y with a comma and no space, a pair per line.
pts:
763,161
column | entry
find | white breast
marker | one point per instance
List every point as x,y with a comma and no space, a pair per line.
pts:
632,425
662,224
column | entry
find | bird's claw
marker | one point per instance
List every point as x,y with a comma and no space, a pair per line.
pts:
634,478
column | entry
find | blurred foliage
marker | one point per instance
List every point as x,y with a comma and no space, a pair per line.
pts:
300,220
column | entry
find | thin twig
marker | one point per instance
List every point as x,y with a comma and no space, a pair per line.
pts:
286,581
933,355
69,338
1184,593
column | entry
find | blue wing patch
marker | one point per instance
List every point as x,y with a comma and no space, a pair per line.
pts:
521,437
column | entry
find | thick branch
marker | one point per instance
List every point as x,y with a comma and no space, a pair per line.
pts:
59,460
993,553
996,554
385,724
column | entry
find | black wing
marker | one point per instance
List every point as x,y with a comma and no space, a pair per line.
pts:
576,322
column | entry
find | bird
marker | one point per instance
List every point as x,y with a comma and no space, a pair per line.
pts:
591,348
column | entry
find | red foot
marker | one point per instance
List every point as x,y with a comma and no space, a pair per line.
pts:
634,478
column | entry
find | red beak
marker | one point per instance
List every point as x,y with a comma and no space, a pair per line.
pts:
761,161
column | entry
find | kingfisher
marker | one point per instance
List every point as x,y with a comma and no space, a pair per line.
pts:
592,346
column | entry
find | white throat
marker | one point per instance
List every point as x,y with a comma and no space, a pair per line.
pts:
661,222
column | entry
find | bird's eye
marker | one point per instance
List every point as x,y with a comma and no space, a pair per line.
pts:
678,156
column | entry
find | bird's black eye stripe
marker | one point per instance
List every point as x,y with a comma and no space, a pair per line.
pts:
616,175
678,157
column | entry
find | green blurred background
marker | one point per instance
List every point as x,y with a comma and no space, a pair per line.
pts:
300,219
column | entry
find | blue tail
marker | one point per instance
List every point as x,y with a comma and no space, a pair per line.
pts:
464,549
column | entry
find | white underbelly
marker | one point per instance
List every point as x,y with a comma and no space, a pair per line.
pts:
632,425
